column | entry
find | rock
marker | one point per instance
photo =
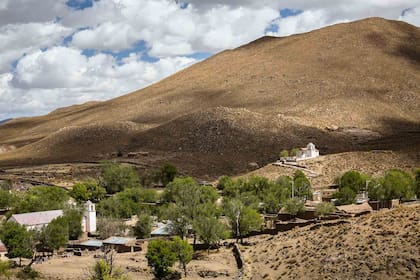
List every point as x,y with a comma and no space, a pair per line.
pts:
253,165
212,274
332,127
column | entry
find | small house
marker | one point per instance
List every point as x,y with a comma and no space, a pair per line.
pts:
122,244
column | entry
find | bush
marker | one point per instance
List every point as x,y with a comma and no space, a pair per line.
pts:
324,209
294,206
27,273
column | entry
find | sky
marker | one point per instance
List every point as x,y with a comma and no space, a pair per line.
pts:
55,53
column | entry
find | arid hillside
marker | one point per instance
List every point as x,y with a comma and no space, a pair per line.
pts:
382,245
361,80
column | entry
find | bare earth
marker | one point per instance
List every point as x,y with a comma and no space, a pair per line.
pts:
135,265
382,245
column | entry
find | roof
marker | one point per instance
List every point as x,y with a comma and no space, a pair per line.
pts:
163,229
3,248
355,208
36,218
92,243
116,240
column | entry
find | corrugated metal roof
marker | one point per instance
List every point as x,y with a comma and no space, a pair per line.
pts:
164,229
92,243
116,240
36,218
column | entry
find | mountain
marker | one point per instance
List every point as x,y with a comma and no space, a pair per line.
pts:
347,87
5,120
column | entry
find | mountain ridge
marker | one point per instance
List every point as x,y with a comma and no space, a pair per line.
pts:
363,75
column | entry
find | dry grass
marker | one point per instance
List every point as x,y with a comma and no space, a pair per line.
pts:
135,266
382,245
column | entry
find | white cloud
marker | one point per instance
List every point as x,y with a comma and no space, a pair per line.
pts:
17,39
60,76
170,30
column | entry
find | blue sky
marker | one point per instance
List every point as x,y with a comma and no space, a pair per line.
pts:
57,53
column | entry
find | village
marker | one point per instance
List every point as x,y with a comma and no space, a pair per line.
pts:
116,223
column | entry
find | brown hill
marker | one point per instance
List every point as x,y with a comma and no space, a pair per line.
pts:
245,105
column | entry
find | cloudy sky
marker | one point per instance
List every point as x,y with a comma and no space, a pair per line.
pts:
55,53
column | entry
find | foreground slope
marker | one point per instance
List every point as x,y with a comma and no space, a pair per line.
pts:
362,77
382,245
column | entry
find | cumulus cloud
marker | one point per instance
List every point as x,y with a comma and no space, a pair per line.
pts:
44,45
18,39
45,80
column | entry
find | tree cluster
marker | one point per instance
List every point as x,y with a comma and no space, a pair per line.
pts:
192,208
395,184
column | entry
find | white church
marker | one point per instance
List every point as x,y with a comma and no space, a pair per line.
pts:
37,220
306,153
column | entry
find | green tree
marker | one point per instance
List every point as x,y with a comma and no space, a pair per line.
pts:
161,257
126,203
116,177
7,199
208,227
243,219
223,182
324,209
398,184
345,195
143,227
41,198
53,236
284,154
188,198
376,191
79,192
103,271
294,152
96,191
73,218
183,252
294,206
18,241
353,180
168,172
302,185
88,190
